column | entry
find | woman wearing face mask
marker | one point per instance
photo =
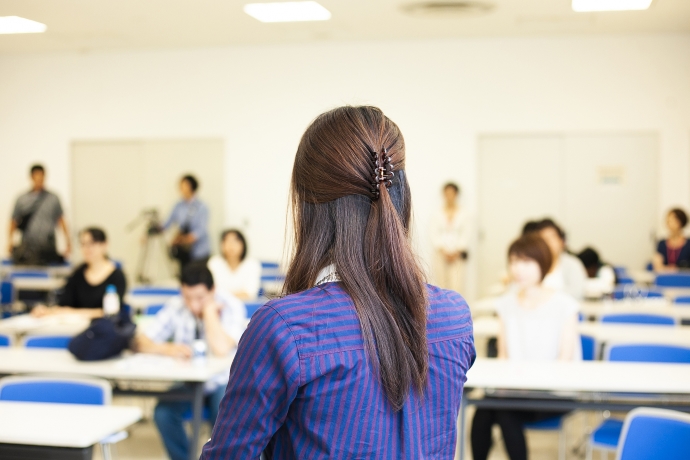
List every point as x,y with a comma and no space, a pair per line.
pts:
85,288
536,323
233,272
673,252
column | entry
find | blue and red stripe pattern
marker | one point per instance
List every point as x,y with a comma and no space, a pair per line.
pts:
301,386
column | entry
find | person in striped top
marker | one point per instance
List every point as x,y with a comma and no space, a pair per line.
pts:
360,358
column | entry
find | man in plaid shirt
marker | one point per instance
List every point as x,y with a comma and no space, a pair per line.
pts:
200,313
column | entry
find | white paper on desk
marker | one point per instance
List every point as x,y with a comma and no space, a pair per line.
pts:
142,360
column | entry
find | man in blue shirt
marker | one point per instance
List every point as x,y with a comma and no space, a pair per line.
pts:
190,215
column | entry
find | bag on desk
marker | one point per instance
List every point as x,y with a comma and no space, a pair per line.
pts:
104,338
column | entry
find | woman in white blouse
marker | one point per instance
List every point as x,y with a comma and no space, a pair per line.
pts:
232,272
536,323
449,234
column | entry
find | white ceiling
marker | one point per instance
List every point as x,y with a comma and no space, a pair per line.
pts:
85,25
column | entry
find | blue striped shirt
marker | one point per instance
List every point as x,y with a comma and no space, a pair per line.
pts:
301,385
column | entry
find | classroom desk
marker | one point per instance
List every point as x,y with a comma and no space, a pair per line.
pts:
38,284
40,430
133,367
486,327
649,306
21,325
563,386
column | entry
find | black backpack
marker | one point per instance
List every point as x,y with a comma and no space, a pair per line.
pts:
104,338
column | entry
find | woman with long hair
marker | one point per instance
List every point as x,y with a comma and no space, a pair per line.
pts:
360,358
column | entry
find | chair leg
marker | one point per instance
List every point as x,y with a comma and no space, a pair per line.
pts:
561,444
588,456
105,448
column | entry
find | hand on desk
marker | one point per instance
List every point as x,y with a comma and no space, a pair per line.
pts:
176,350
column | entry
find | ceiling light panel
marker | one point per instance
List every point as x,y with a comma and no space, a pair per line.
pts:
287,11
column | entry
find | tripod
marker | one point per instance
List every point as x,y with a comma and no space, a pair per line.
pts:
154,243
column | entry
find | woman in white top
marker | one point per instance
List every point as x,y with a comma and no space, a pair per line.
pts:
536,323
449,239
567,272
232,272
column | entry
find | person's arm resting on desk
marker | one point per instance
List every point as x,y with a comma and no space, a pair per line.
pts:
155,338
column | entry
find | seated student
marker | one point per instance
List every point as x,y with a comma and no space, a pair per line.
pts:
673,252
232,272
567,273
536,323
200,313
85,288
601,277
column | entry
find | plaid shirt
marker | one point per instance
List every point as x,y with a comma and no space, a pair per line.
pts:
176,323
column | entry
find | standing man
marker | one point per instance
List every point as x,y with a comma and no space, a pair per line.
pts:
449,234
36,214
191,217
200,314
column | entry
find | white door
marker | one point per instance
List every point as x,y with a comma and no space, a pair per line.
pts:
602,188
114,181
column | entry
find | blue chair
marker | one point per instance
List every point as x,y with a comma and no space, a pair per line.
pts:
606,437
552,424
589,347
47,341
265,265
622,292
625,280
682,300
5,340
61,391
638,318
153,309
155,291
673,280
620,271
6,293
28,274
650,434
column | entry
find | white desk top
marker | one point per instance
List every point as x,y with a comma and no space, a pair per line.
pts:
18,360
584,376
38,284
62,425
486,327
649,306
58,324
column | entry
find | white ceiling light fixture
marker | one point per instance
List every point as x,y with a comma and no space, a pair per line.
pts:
587,6
17,25
287,11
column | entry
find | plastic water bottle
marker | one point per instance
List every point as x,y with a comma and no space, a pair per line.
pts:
111,301
199,349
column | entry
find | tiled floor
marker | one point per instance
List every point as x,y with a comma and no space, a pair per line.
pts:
144,443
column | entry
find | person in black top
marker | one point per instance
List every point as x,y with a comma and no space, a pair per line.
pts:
673,252
85,288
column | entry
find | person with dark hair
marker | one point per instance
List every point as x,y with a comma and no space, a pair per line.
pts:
200,319
673,252
601,277
190,215
360,358
530,226
36,214
536,323
567,272
449,234
234,273
86,287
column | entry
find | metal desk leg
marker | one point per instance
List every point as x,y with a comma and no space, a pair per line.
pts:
461,429
197,407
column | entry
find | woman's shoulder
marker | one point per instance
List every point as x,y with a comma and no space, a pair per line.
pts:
564,301
251,264
79,270
216,262
449,314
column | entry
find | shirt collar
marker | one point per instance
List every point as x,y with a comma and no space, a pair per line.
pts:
327,274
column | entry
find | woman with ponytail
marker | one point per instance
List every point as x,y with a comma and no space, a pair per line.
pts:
360,358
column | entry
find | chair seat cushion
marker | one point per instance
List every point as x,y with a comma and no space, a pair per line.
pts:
608,433
553,423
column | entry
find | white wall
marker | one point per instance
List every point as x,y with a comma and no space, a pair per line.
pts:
260,99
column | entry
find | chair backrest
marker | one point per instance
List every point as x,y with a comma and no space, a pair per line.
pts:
589,347
47,341
28,274
638,318
625,280
266,265
5,340
155,290
153,309
683,300
55,390
647,353
6,293
678,280
654,434
627,291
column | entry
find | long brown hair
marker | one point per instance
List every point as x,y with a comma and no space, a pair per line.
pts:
338,219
